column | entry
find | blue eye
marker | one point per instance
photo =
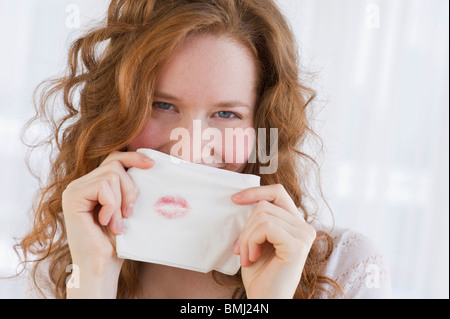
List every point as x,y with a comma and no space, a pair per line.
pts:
163,106
227,115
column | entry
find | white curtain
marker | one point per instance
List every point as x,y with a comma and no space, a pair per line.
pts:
382,78
383,91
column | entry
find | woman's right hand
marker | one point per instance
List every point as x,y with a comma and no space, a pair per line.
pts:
101,198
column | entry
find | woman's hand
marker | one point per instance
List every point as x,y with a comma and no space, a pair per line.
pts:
101,198
274,244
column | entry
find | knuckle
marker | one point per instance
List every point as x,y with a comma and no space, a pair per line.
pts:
260,215
279,187
114,166
71,186
64,199
263,219
311,231
298,248
294,246
104,185
267,224
68,187
65,194
308,236
262,205
112,177
68,193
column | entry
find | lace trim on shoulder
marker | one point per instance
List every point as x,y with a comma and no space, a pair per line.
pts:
357,265
369,273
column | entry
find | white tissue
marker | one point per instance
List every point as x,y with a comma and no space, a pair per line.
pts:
200,238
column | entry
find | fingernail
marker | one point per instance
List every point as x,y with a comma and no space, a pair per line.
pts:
107,221
242,260
147,160
236,246
237,196
129,212
119,227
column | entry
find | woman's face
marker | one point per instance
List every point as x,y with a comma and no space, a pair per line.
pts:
208,86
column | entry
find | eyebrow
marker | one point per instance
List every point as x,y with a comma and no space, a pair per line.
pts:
169,97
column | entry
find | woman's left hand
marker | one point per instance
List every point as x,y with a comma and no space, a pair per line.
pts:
274,244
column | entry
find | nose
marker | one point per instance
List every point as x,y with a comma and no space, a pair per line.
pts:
194,143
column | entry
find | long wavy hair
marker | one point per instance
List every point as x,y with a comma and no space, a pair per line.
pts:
106,94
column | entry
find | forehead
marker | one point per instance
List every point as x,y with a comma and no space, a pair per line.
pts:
211,67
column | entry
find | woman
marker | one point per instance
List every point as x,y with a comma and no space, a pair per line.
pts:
164,64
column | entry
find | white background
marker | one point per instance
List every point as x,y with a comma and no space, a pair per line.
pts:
382,111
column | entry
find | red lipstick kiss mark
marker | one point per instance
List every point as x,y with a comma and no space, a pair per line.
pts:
172,207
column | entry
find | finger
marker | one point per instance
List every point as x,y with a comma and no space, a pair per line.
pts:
264,209
254,252
277,236
243,253
119,161
265,218
115,170
237,247
268,216
107,200
275,194
129,159
110,198
267,221
129,194
264,212
115,224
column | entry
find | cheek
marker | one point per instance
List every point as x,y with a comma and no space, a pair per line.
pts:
152,136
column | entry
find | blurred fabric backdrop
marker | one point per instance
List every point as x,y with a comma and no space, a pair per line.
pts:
381,72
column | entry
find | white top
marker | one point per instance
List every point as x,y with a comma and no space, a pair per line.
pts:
358,266
355,263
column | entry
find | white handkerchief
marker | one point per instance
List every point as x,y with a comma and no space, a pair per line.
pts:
184,217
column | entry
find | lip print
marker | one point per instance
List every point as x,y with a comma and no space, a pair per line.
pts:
172,207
